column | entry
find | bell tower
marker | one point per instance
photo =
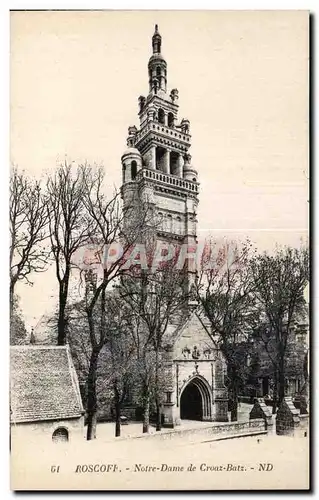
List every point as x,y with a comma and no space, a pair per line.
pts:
157,167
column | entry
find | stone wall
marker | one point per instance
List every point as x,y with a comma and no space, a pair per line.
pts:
211,431
260,410
287,418
42,431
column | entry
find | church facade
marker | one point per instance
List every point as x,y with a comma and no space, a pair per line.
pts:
157,169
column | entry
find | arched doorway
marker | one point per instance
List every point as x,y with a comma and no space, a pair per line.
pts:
195,401
191,403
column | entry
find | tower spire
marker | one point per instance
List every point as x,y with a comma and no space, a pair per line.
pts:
156,41
157,67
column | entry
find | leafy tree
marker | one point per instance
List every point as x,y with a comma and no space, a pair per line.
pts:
225,291
280,282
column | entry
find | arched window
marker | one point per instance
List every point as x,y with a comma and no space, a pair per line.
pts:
158,72
178,225
61,434
161,116
169,223
133,170
170,120
160,220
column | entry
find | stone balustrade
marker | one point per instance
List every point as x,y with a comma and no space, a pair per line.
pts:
163,129
172,180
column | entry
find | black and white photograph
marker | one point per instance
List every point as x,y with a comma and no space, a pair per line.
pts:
159,250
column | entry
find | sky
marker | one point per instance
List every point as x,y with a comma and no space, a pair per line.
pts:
243,84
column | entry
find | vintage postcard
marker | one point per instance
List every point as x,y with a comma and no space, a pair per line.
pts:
159,261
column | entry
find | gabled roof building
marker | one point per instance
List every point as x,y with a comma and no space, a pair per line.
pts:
44,393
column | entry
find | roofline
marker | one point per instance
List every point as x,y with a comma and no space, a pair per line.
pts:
196,312
30,346
74,379
53,419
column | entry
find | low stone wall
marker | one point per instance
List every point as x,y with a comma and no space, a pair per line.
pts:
260,410
287,418
211,431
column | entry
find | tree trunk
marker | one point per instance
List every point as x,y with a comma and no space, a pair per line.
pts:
234,407
91,426
158,416
275,394
92,399
117,419
146,413
281,380
63,295
11,297
117,410
233,394
157,398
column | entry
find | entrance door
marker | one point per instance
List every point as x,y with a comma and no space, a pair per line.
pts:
191,403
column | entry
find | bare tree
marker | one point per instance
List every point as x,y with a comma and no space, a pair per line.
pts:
28,230
280,282
144,363
121,357
225,290
69,228
155,296
116,360
112,240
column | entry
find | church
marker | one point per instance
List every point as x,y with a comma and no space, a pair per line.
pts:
157,168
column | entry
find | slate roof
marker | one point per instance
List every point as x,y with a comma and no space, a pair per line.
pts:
44,384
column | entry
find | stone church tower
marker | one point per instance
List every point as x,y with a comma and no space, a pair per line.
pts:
157,167
157,170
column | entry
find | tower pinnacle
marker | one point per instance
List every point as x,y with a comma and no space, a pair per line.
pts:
156,41
157,67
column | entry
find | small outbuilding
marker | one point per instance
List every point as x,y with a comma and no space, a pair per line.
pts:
45,399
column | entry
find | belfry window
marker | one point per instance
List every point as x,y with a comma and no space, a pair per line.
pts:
161,116
170,120
158,72
160,153
133,170
174,163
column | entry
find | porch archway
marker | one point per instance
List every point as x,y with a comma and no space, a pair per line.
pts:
196,400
